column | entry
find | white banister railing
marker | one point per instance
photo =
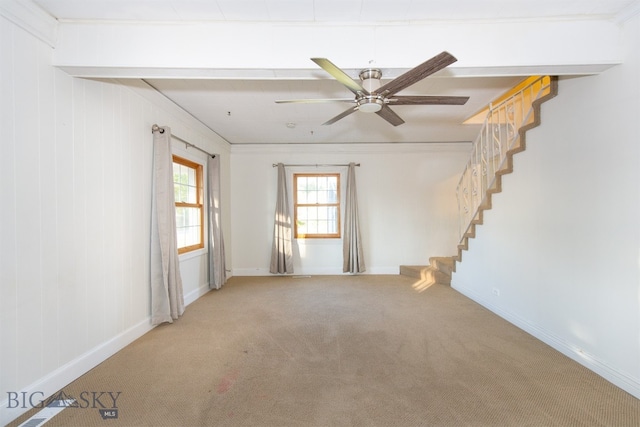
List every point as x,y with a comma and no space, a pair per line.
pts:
498,136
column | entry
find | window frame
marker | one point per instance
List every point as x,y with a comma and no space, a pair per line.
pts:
200,200
337,205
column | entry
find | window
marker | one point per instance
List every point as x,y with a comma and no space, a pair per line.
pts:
316,205
187,187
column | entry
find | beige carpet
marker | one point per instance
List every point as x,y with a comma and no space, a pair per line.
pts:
344,351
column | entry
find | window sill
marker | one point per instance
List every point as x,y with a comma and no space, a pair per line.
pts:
315,241
192,254
318,239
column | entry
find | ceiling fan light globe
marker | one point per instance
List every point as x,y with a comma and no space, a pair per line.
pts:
370,108
370,105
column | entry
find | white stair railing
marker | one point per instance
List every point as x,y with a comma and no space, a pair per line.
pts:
498,136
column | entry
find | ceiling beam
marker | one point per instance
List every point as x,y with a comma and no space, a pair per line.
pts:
282,50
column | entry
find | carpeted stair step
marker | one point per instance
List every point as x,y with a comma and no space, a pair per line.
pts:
417,271
438,277
438,272
446,264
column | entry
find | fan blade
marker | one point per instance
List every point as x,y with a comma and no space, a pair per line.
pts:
340,75
389,115
315,101
416,74
428,100
341,116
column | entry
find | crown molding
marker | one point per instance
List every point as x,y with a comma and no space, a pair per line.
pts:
28,16
353,148
628,12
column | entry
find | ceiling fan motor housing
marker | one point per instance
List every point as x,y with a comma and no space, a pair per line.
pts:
371,79
371,82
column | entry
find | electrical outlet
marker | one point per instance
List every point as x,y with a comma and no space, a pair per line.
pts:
495,291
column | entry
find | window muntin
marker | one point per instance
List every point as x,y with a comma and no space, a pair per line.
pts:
316,205
188,193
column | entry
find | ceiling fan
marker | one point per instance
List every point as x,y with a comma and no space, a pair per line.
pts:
371,97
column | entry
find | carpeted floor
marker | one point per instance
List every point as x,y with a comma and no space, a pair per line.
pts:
343,351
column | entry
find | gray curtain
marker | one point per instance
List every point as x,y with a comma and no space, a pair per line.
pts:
353,258
167,300
217,267
281,252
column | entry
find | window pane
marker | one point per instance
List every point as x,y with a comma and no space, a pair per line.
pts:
192,236
184,193
312,197
181,237
180,221
184,175
333,219
301,222
192,216
302,183
303,213
176,172
186,217
188,226
312,222
322,183
302,228
332,197
322,212
192,195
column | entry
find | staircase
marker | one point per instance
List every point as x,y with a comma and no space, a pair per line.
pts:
503,134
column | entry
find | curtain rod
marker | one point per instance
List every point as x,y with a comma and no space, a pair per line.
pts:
188,144
316,165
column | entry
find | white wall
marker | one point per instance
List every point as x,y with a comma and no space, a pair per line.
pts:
75,185
406,199
561,245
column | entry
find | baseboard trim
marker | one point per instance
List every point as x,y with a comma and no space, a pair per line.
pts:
625,382
314,271
72,370
196,293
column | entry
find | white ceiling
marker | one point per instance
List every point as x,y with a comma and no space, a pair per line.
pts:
243,110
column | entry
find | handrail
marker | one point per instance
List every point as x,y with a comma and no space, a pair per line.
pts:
498,137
